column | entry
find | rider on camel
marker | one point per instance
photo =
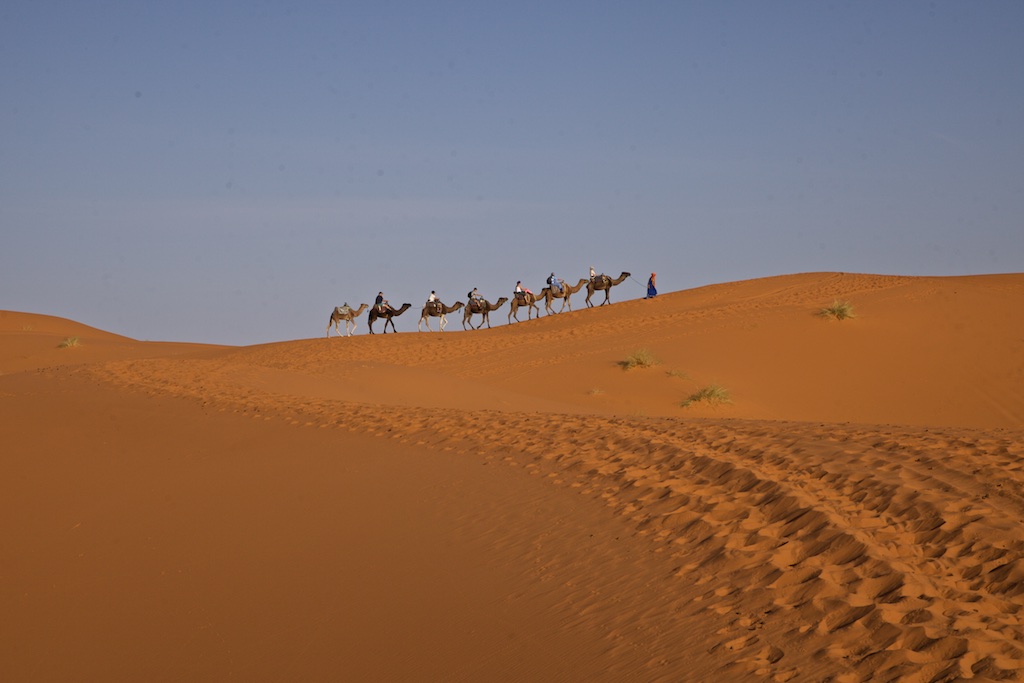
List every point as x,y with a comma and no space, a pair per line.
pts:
382,304
556,284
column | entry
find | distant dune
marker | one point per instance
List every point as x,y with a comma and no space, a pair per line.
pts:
516,504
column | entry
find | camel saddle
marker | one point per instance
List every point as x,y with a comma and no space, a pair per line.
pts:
434,307
602,278
476,306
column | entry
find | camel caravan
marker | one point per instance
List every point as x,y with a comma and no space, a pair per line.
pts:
522,298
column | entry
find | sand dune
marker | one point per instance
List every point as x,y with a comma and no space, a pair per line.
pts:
513,504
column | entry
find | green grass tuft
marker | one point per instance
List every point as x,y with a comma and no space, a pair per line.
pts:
840,310
68,343
641,358
712,395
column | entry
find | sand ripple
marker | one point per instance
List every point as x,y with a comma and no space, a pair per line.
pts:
890,553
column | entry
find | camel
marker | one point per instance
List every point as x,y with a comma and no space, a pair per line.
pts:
485,310
437,309
529,300
349,316
388,316
567,291
603,282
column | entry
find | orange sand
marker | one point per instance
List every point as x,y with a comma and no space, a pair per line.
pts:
512,504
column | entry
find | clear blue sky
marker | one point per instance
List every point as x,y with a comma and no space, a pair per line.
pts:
227,172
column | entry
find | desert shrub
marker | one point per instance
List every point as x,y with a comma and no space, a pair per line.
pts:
712,394
596,392
641,358
68,343
840,310
681,374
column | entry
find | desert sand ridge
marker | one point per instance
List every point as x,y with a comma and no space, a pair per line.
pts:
854,514
922,351
29,341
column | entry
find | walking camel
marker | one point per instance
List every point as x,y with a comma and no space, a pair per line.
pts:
438,310
388,315
549,295
529,300
349,315
484,308
603,282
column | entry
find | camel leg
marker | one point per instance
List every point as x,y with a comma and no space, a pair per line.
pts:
444,321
